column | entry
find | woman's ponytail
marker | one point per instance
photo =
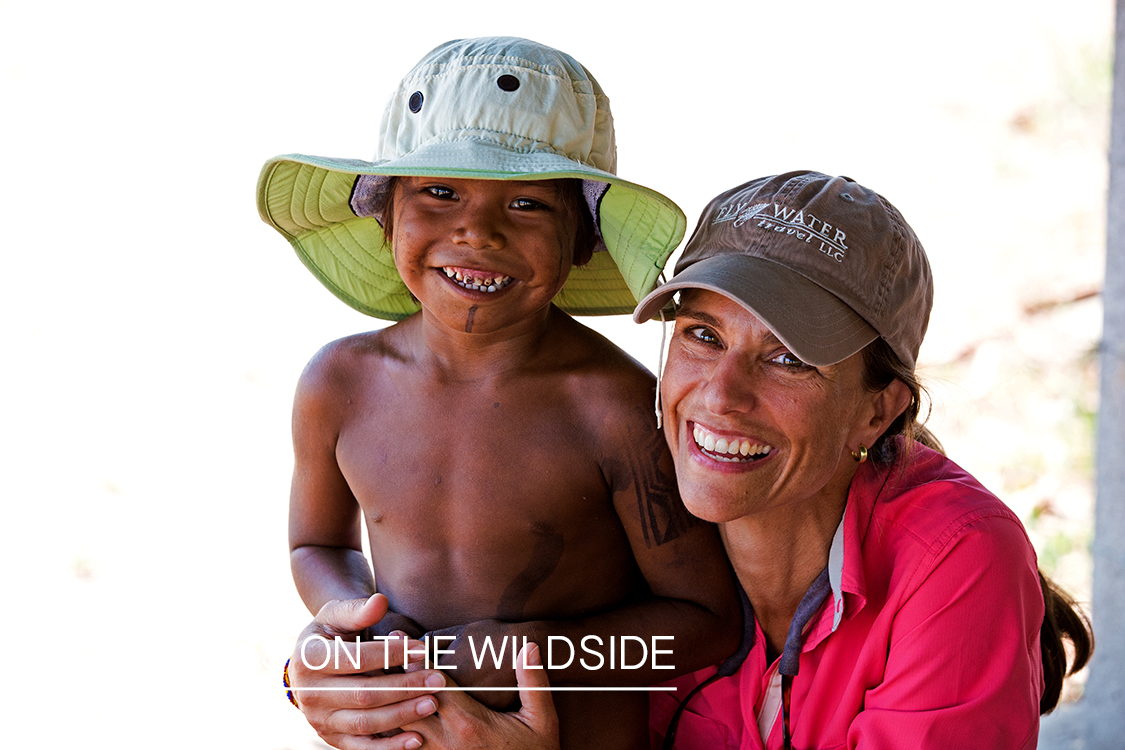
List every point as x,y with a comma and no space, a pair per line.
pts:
1062,620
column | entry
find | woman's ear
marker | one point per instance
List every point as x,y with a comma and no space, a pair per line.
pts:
887,405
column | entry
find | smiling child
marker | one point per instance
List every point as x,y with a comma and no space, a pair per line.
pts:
502,458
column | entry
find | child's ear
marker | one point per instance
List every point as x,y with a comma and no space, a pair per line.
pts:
585,237
584,244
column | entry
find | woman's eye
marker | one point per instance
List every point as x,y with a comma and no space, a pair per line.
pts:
787,359
702,334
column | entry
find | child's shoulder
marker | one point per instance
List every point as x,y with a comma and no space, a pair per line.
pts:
352,351
608,378
340,363
592,351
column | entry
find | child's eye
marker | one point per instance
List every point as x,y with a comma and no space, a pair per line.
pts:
440,191
528,204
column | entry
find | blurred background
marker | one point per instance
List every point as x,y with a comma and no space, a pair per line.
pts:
154,328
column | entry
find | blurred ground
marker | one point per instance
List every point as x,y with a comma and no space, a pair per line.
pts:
154,328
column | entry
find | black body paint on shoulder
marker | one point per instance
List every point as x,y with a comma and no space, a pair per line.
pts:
663,515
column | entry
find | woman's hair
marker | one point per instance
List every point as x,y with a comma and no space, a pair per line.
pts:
570,189
1063,619
881,366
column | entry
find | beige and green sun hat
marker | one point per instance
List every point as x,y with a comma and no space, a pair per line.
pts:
497,108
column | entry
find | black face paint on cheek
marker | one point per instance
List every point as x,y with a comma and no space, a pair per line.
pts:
469,320
566,257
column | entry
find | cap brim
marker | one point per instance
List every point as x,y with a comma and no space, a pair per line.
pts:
306,198
815,324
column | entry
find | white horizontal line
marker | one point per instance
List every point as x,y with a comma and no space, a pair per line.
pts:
481,689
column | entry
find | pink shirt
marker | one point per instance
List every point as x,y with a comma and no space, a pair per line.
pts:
937,646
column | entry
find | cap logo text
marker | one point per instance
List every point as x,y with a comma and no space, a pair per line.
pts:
794,222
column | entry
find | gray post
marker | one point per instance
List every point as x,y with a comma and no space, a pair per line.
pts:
1097,722
1106,685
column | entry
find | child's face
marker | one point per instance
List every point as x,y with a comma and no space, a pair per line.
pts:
480,255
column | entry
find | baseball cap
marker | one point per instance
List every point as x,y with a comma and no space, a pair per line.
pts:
826,263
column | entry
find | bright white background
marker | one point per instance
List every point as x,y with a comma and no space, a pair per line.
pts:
153,328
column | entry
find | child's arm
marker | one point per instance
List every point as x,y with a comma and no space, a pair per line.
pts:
325,523
693,594
693,598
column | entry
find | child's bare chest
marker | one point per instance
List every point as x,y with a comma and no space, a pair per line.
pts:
504,499
458,452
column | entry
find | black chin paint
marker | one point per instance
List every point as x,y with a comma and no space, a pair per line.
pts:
469,320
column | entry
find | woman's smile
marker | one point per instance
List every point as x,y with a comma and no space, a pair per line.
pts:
740,450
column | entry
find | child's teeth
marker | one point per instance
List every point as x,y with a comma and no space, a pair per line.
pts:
480,283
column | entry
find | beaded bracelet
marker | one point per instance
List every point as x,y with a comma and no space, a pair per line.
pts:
286,683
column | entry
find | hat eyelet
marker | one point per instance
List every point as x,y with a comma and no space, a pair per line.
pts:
846,197
416,100
508,82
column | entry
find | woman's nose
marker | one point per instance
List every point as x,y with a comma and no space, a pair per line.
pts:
729,387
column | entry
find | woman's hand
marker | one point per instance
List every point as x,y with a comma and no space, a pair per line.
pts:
348,719
464,724
487,638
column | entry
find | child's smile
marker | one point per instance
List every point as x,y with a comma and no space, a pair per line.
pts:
479,281
481,255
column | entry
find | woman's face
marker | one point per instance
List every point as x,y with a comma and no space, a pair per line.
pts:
753,429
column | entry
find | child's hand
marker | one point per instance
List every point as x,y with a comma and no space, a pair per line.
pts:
391,623
493,644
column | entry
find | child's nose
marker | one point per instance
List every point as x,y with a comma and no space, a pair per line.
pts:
481,226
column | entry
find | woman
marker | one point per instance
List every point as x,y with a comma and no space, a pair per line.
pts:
894,601
897,603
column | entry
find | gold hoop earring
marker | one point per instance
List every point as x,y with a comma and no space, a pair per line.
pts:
861,455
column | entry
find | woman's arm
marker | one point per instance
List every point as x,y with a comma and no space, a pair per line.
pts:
963,666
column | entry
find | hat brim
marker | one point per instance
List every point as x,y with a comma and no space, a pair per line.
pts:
306,198
815,324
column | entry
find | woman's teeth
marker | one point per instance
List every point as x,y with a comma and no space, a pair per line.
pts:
478,282
729,449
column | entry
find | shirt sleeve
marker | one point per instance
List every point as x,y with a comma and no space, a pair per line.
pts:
963,665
